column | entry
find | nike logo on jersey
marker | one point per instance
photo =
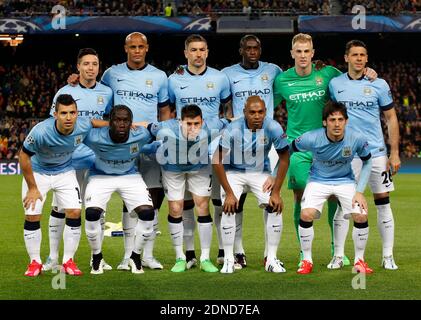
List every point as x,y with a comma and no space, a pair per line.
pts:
305,236
291,84
364,234
387,221
226,228
276,225
118,80
340,91
182,88
388,185
236,81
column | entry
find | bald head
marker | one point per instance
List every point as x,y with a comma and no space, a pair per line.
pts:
252,100
135,35
255,112
136,47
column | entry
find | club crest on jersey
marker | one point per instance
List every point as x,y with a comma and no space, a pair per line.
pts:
346,152
134,148
319,81
149,83
210,85
78,140
30,140
100,100
264,77
367,91
263,140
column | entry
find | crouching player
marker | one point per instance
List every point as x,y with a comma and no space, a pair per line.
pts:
248,141
116,151
183,156
333,149
46,162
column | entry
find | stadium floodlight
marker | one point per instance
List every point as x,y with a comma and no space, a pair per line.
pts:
12,39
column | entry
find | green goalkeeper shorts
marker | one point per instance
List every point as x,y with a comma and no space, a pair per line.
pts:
299,169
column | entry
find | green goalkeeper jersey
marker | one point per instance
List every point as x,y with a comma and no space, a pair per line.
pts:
305,98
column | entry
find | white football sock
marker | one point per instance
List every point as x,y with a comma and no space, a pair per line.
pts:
274,226
340,231
228,235
71,238
144,231
33,243
386,226
55,234
265,220
93,233
306,241
205,235
176,232
102,222
238,240
360,237
189,227
148,249
129,221
217,214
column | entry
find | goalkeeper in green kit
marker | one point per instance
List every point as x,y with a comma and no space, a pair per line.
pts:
305,90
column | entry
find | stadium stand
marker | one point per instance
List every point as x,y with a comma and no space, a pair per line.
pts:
384,8
20,8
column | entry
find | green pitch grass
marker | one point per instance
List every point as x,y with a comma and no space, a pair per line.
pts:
250,283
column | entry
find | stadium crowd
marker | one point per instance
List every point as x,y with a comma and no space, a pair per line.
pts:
204,7
167,8
384,8
27,90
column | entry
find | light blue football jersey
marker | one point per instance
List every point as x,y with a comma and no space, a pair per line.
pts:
248,150
92,103
52,151
176,153
252,82
364,101
332,160
207,90
116,158
143,90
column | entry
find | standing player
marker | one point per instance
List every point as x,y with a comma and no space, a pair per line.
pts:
305,91
333,149
248,141
116,150
144,89
46,162
186,167
94,100
250,77
364,100
208,88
